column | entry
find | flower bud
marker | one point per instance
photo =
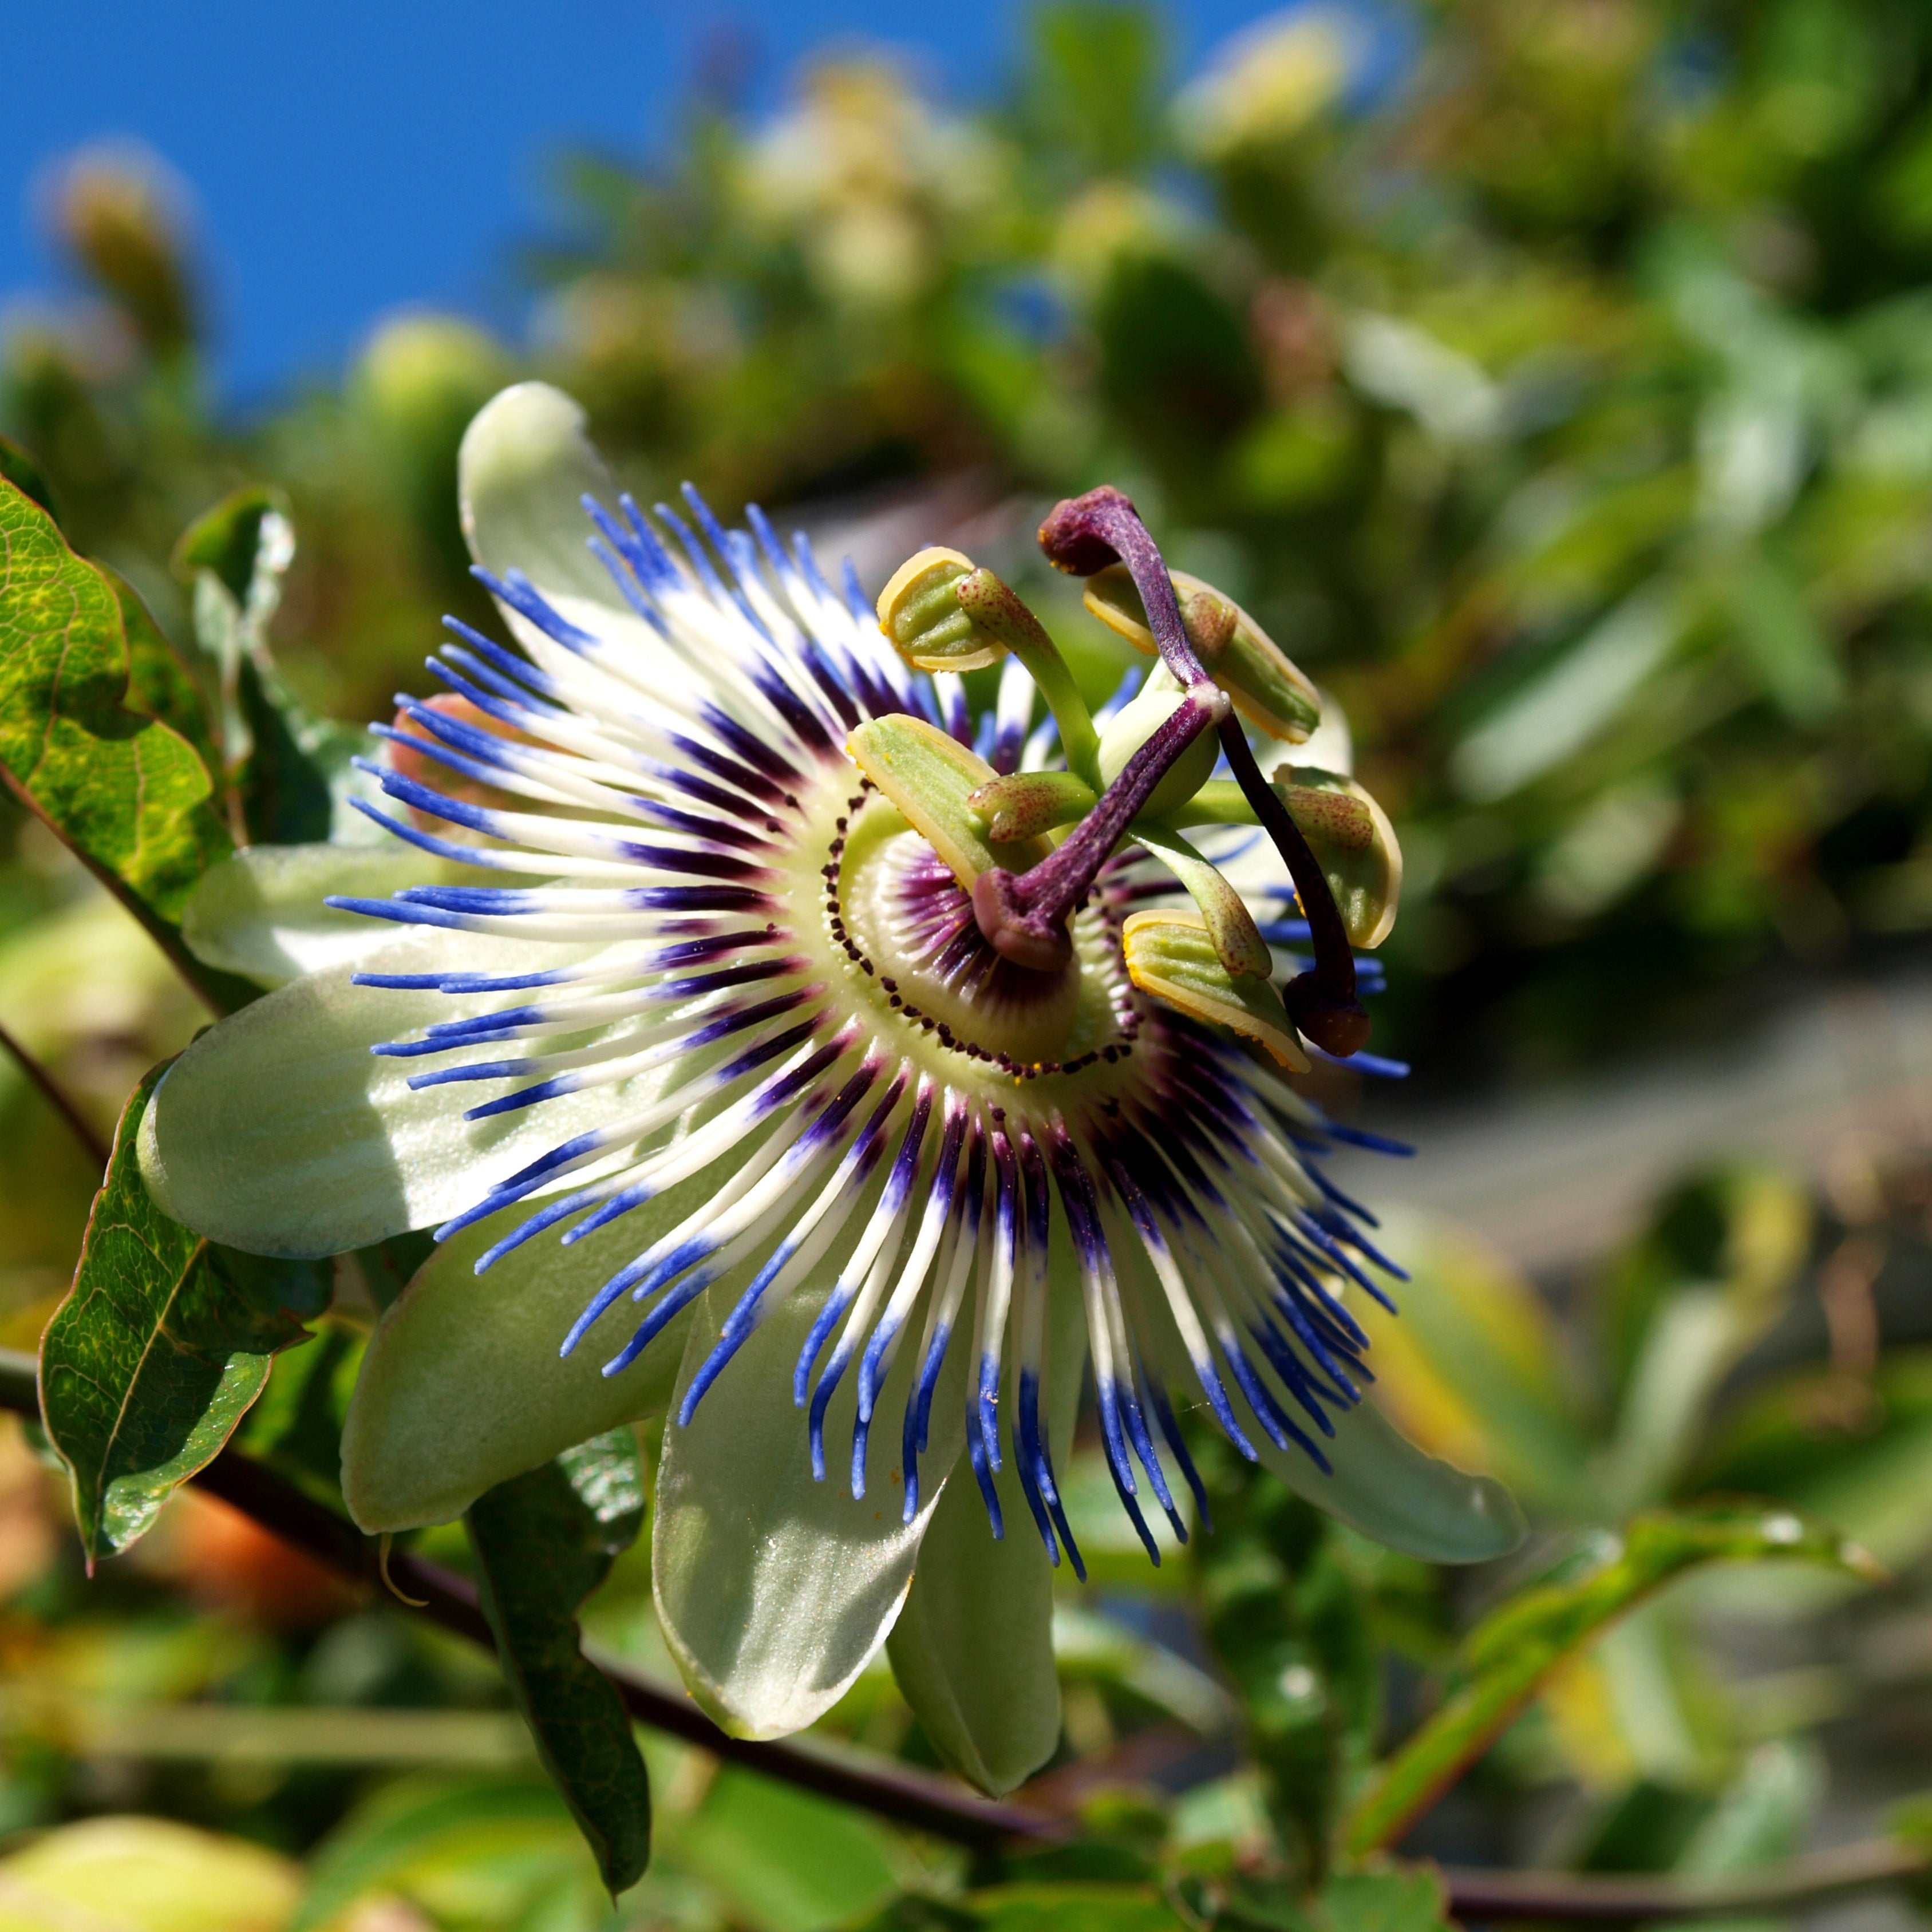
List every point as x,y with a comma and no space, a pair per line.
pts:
1268,689
1134,723
121,216
922,618
420,374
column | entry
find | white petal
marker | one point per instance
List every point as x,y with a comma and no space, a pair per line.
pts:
1380,1483
280,1133
1394,1493
774,1590
524,468
462,1387
261,913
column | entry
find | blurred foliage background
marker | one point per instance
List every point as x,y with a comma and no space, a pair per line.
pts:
1553,378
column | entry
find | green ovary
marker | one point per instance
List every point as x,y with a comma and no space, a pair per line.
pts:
898,906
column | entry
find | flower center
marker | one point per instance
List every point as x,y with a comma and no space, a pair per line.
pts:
908,925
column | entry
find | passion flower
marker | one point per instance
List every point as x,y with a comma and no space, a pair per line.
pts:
742,1070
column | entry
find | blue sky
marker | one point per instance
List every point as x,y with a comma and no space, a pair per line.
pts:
351,156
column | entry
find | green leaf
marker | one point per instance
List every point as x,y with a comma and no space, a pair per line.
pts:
128,793
1073,1908
290,773
227,541
160,1346
19,469
411,1827
1408,1899
543,1542
789,1861
1564,706
299,777
1873,1483
133,1874
1765,1815
388,1266
1509,1653
1783,643
1706,1281
295,1427
160,684
1291,1628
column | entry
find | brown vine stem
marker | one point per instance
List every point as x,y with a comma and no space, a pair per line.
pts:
58,1098
925,1803
1623,1898
901,1792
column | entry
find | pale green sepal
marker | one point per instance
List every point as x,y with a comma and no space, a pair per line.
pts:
930,776
279,1133
973,1650
1395,1494
524,465
524,469
773,1591
463,1388
1378,1483
261,913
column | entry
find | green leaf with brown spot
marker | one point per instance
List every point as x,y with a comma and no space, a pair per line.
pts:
160,684
161,1344
128,792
